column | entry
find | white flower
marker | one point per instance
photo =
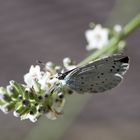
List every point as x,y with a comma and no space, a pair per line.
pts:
121,45
51,115
97,38
2,91
16,114
4,109
1,96
32,118
117,28
50,67
68,64
33,75
59,106
9,89
44,81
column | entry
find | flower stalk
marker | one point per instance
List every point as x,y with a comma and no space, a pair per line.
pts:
43,92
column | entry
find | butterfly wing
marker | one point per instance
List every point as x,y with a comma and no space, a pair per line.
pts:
98,76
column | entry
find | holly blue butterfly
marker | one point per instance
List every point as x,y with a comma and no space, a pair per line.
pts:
98,76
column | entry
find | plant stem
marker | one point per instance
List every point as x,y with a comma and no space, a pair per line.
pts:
132,26
113,44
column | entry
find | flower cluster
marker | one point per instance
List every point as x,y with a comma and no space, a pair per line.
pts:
99,37
42,93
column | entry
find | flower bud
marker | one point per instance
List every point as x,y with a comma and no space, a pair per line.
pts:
11,91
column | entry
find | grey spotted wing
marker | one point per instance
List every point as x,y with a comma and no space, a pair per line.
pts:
98,76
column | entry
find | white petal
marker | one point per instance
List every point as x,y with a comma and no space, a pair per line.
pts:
31,118
51,115
34,74
97,37
4,109
118,28
16,114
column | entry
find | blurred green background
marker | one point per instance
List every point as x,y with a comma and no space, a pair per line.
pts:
50,30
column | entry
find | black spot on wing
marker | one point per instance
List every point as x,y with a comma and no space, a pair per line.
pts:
124,59
118,70
98,77
81,89
82,77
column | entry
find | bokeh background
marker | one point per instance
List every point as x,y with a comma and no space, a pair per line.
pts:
49,30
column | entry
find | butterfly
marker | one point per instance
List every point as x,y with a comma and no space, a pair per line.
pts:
98,76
